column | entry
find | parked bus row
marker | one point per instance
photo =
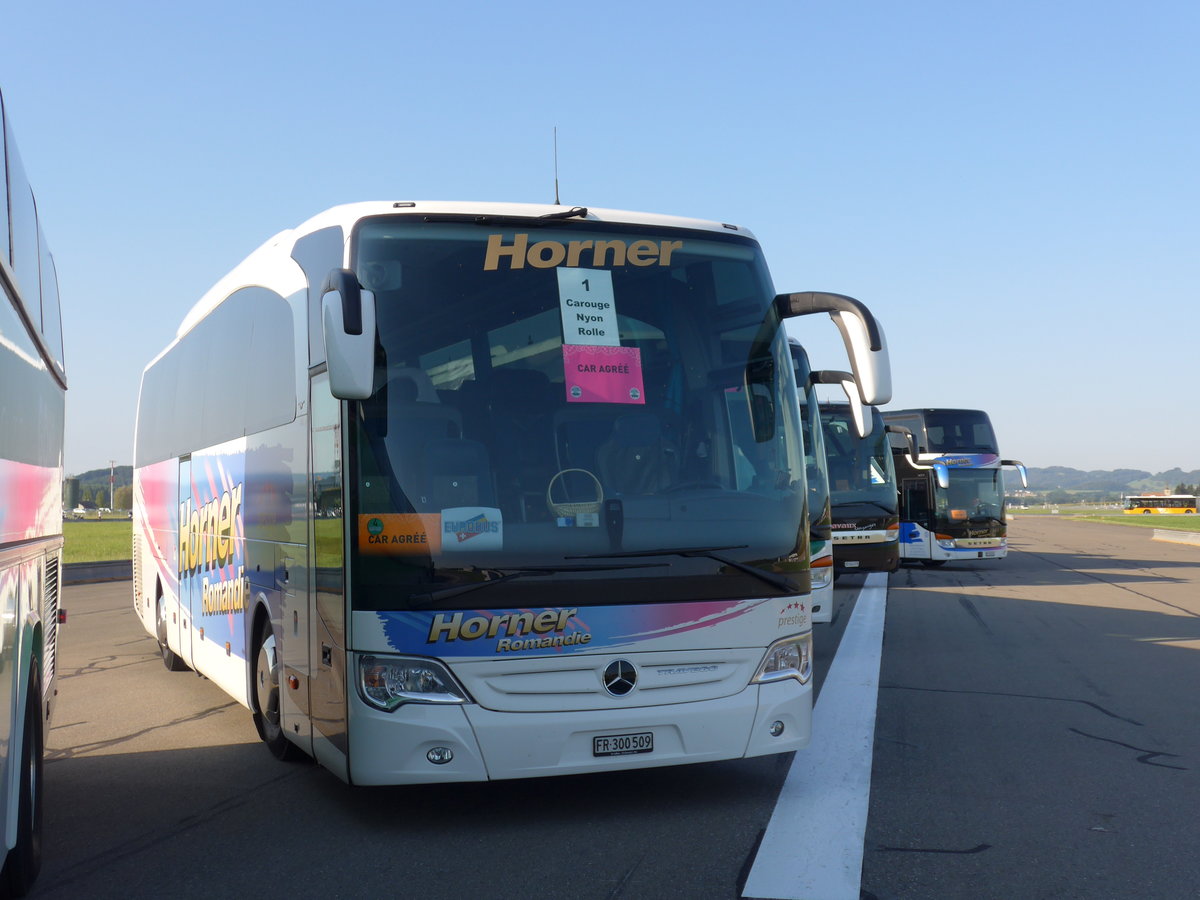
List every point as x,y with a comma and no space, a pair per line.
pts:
912,484
33,376
519,490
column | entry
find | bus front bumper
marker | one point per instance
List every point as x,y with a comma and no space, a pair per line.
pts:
399,747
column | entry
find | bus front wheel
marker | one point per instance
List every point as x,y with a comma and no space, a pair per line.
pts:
25,859
266,696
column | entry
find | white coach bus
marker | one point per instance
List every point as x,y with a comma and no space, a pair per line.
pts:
32,385
457,491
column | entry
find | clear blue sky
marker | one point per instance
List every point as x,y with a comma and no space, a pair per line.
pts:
1011,186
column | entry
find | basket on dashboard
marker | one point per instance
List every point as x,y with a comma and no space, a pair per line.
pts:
574,507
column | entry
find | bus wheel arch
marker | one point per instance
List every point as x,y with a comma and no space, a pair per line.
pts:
24,860
265,688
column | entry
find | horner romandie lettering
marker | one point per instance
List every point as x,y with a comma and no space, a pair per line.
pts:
225,596
592,254
457,626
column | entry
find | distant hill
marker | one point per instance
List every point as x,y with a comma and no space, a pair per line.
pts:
98,478
1123,481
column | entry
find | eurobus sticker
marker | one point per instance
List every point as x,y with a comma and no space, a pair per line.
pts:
472,528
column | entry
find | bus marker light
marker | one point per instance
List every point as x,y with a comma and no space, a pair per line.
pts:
293,682
62,617
439,756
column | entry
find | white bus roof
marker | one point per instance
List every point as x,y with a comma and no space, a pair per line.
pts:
276,250
349,213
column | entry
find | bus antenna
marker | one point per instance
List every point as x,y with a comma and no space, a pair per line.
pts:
556,203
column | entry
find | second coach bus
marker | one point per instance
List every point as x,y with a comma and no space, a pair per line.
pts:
820,541
457,491
965,518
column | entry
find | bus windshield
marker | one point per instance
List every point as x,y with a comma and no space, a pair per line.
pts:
572,410
861,470
959,430
974,495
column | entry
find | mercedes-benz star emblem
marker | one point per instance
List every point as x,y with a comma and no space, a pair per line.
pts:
620,677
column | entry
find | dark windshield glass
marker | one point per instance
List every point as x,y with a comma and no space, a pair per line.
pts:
974,496
959,430
552,392
860,469
814,446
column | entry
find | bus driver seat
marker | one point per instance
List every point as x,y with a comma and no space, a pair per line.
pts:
637,458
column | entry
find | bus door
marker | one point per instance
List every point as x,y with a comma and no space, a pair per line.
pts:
915,510
294,644
178,613
328,686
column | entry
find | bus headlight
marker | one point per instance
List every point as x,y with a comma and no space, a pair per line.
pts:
387,683
822,576
789,658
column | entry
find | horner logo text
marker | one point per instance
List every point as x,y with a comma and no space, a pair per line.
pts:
512,631
593,254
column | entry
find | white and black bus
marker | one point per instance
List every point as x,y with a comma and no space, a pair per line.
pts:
959,514
862,489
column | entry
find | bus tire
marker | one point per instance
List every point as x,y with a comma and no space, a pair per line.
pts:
24,860
933,563
169,657
266,696
1145,512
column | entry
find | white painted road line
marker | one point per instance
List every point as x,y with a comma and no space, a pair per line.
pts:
813,845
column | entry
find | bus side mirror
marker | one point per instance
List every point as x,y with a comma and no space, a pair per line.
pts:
861,333
941,473
348,327
858,412
1020,467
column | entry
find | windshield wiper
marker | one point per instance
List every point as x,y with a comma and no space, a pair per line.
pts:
776,581
432,597
571,213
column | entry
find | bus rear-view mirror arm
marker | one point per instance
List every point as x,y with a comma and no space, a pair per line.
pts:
861,333
858,412
348,327
907,443
1020,467
941,471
